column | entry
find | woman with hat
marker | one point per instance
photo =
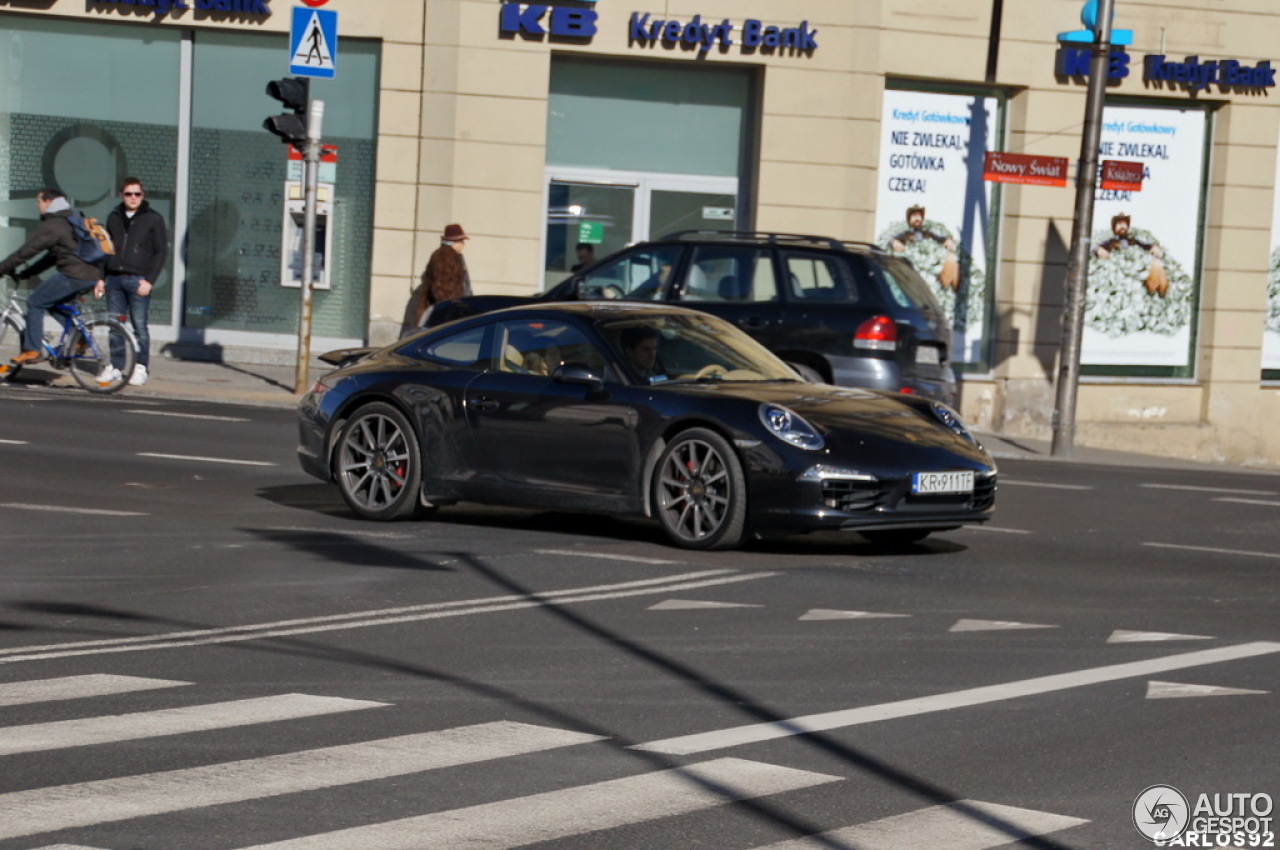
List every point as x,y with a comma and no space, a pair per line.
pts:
444,279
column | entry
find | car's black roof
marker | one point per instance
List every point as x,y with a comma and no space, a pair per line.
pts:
758,237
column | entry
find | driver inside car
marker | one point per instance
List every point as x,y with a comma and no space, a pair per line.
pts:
640,345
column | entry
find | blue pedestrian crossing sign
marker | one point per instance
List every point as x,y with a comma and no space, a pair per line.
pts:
313,43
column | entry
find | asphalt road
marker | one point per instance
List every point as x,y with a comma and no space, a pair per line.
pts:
201,649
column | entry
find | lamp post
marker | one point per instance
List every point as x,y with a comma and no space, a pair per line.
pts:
1068,383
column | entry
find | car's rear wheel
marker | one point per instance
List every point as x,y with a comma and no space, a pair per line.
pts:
896,536
700,492
378,464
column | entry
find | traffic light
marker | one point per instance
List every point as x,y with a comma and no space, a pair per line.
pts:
294,93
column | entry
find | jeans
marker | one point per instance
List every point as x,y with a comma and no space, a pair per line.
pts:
123,300
56,289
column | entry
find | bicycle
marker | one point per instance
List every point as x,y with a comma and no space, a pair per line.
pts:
85,347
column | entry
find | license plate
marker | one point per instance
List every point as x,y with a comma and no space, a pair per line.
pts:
941,483
928,355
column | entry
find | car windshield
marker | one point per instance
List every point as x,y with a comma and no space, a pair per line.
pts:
667,348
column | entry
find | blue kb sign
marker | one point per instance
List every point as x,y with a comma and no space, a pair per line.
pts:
564,22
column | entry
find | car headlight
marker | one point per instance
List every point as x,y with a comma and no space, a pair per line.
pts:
790,427
952,420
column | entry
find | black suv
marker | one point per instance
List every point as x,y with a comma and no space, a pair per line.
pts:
839,312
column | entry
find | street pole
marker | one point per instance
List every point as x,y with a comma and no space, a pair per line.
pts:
310,180
1064,413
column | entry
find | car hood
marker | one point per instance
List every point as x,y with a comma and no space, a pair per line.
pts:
850,417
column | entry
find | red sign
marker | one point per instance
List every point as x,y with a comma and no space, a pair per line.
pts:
1120,175
1001,167
314,4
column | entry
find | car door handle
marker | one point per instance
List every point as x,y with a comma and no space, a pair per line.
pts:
484,404
753,322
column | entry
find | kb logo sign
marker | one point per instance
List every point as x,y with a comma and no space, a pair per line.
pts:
563,22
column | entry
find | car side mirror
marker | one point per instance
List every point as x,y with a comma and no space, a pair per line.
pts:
578,374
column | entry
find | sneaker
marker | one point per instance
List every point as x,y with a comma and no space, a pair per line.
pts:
109,376
28,357
139,376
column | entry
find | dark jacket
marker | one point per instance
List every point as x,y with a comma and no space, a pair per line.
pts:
55,236
142,242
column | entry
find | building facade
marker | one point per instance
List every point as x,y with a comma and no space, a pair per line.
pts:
597,122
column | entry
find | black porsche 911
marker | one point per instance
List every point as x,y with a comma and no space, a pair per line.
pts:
635,409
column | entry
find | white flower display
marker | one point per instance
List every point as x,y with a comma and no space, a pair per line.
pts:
928,255
1273,293
1118,302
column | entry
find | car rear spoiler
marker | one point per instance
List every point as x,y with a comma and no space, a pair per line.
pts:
343,356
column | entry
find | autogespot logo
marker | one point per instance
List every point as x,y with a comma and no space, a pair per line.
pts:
1160,813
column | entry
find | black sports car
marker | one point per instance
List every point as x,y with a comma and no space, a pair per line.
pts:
635,409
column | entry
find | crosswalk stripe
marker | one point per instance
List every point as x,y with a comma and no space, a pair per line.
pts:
966,825
171,721
78,687
571,811
109,800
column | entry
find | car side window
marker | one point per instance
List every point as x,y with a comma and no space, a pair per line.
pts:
730,274
640,275
818,277
464,350
538,346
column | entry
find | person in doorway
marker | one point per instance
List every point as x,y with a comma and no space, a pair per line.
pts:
56,238
444,279
586,254
142,247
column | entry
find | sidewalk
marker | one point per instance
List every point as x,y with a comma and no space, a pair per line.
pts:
273,386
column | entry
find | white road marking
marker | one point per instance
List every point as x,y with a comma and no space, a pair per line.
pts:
1015,482
993,626
206,459
384,617
14,443
996,528
62,734
964,825
68,847
207,416
61,509
604,556
755,732
1214,550
1126,636
832,614
1266,502
110,800
1194,489
1175,690
695,605
571,811
78,687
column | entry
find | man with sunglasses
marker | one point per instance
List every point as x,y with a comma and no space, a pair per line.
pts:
142,246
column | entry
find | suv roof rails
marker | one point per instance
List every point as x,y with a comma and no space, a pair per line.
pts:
771,238
758,235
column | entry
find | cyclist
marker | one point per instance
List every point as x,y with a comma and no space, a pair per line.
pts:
73,276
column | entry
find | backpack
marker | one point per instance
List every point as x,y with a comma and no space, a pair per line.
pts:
93,242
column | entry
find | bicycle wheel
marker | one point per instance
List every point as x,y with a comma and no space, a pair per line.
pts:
10,340
101,355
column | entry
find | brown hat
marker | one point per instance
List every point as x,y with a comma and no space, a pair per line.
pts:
454,233
1119,217
915,208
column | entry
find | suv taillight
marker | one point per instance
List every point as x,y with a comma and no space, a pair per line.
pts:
878,333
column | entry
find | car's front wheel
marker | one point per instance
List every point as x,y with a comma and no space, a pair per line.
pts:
378,464
700,492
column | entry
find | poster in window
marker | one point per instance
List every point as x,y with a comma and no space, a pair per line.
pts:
933,206
1145,246
1271,325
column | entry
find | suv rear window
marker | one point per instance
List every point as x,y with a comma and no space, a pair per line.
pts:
906,285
